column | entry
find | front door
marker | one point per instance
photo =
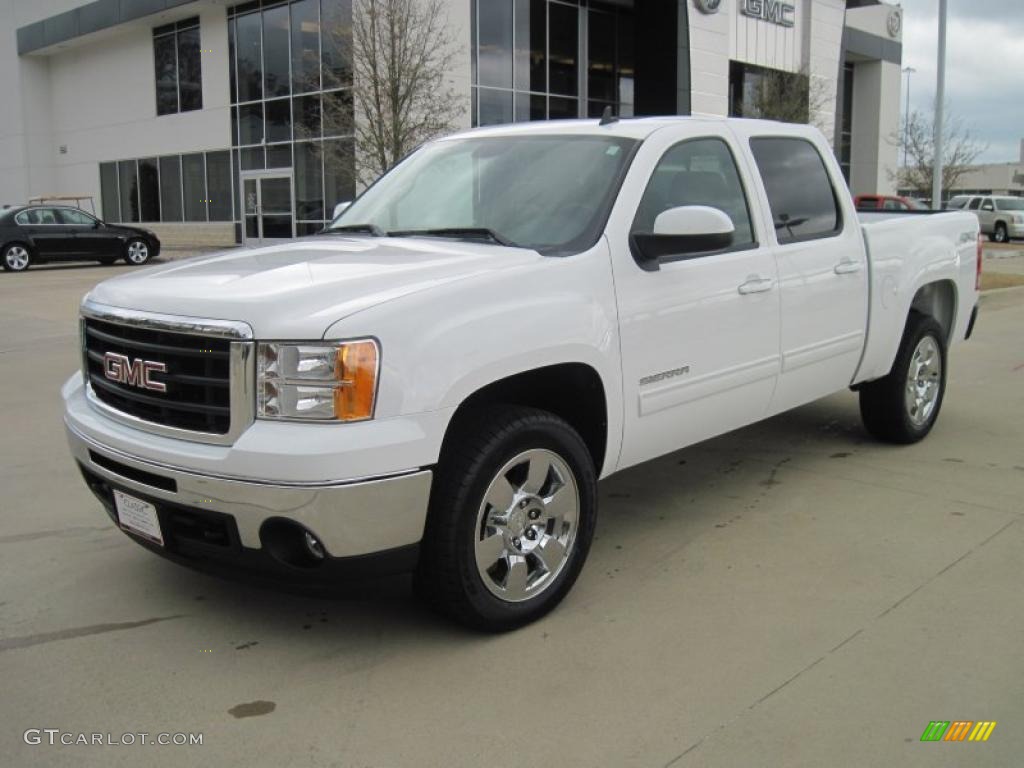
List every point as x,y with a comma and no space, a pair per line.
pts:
268,206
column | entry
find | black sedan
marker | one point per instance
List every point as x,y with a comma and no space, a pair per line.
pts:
35,234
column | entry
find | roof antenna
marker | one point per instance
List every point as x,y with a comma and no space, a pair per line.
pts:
607,118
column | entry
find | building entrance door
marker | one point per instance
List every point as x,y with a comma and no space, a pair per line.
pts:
268,207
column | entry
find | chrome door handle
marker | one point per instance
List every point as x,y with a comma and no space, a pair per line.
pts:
847,267
756,284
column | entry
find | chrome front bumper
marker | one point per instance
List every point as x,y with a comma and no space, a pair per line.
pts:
350,519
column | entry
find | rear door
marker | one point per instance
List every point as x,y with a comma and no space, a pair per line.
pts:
822,265
50,236
699,332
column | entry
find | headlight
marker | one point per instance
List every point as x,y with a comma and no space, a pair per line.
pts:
319,382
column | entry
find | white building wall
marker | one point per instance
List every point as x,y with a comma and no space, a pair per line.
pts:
710,46
823,42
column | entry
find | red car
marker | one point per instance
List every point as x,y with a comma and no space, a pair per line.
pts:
887,203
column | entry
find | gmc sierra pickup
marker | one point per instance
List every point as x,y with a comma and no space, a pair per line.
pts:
438,381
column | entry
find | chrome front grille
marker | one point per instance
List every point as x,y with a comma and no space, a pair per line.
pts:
201,385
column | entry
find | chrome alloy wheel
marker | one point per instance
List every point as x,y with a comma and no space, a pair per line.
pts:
526,526
138,252
16,258
924,380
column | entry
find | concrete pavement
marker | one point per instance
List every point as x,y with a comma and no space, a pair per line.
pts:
793,594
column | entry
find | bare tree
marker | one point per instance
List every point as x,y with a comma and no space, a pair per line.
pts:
916,138
402,53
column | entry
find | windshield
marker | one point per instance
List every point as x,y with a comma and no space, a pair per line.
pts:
549,193
1010,205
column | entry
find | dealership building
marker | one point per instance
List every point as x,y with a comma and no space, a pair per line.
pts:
215,122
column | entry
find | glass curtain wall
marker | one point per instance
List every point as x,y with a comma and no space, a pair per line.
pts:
291,80
551,59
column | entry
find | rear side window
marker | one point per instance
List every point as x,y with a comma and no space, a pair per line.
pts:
802,200
697,172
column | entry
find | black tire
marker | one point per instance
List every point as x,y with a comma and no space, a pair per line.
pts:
883,404
481,445
16,257
1001,235
137,251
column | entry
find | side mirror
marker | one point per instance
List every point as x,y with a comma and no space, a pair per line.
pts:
684,230
340,208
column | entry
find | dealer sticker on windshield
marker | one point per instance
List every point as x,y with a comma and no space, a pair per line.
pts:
138,517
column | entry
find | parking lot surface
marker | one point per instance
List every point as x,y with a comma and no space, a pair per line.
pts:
793,594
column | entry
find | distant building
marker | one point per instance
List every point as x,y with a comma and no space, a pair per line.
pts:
991,179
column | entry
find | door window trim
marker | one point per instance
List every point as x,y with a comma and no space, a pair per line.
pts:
753,245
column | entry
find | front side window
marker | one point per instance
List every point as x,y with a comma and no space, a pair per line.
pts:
986,205
802,201
76,218
177,60
549,193
697,172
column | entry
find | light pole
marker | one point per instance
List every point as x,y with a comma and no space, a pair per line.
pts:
908,71
940,110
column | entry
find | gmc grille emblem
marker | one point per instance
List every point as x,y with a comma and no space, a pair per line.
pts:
134,373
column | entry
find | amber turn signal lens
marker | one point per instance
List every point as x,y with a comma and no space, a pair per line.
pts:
356,373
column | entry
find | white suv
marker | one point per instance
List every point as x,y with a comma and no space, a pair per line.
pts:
1001,218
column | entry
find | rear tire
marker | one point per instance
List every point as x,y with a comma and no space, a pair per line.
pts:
902,407
16,257
512,514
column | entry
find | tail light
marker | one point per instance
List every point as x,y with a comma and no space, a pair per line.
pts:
977,268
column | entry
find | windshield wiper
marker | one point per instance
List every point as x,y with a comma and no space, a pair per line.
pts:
474,232
367,229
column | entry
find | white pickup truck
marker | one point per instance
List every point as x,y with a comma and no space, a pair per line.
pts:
437,382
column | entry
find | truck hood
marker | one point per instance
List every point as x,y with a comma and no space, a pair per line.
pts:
296,290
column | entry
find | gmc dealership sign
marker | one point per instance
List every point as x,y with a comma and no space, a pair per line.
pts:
774,11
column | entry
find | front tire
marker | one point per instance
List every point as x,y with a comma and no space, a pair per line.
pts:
136,251
1001,235
512,514
902,407
16,257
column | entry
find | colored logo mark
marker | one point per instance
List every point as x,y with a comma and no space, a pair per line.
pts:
958,730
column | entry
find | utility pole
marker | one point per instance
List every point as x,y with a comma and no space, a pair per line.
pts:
940,110
908,71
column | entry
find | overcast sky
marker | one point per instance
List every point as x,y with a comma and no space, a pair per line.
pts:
984,67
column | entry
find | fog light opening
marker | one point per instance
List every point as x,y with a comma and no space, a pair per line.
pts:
292,544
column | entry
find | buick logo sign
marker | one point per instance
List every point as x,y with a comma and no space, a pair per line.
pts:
134,373
708,6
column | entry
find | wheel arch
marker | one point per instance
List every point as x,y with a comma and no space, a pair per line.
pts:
939,300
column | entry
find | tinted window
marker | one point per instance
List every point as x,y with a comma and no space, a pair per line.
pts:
986,205
76,218
975,204
190,70
177,59
495,45
249,54
803,203
218,185
108,191
166,61
698,172
894,205
129,185
27,217
194,178
170,188
149,190
276,75
305,46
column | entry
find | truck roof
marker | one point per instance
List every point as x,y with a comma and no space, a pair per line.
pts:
626,127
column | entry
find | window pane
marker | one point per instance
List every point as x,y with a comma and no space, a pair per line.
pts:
336,41
279,120
538,45
701,172
601,52
800,195
338,116
149,190
276,78
218,185
195,187
253,158
562,109
495,106
190,71
339,173
306,114
309,196
170,188
521,50
531,106
249,52
494,44
564,47
279,155
129,180
108,192
305,46
166,63
250,124
232,71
